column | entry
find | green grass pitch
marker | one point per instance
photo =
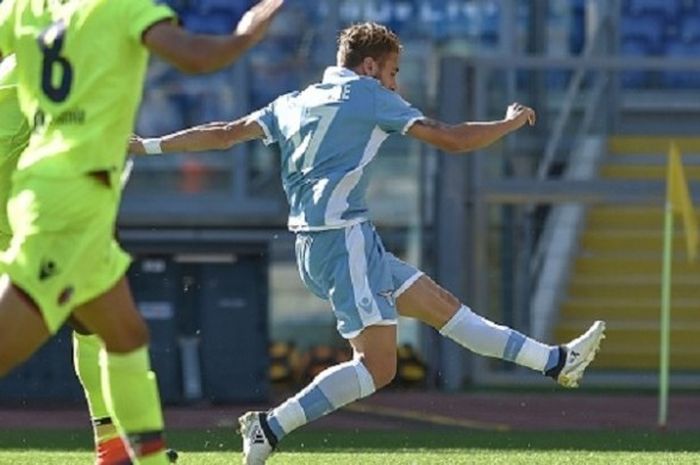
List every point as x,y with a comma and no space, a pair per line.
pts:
451,446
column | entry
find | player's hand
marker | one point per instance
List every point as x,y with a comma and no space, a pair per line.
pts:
521,114
136,145
256,21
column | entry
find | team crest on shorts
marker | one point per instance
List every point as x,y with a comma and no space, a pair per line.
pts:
47,269
366,304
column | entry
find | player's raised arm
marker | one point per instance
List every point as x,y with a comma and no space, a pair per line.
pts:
469,136
210,136
196,53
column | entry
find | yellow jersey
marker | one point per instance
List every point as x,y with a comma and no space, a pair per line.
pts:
80,69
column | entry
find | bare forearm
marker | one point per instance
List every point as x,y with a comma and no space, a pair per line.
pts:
195,53
204,53
202,138
472,136
210,136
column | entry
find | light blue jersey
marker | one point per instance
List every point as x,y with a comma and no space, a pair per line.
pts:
328,134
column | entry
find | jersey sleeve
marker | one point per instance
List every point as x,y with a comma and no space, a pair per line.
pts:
7,24
394,114
142,14
267,120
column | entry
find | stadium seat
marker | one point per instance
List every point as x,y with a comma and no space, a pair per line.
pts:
647,28
690,29
232,7
635,79
667,8
577,39
208,23
490,23
682,79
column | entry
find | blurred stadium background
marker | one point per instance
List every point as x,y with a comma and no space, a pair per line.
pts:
554,227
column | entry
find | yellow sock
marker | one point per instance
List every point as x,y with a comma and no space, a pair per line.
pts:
86,358
132,397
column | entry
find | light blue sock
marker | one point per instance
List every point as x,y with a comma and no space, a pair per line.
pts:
331,389
485,337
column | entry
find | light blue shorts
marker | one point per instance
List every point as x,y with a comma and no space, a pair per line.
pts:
351,268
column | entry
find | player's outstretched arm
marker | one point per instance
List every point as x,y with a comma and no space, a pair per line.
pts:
210,136
467,137
196,53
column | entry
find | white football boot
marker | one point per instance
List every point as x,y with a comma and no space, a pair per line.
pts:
580,353
258,440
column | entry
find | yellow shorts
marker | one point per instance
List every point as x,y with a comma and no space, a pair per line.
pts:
63,252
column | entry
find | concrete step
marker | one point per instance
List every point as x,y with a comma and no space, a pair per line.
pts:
651,144
692,172
626,360
615,240
624,217
608,265
653,159
633,279
631,293
626,314
635,315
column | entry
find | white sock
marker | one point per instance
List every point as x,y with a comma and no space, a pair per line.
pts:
333,388
485,337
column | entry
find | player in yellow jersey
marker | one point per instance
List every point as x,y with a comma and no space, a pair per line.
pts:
80,66
14,137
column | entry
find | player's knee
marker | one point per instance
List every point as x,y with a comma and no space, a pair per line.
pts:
141,336
138,338
381,367
387,376
128,339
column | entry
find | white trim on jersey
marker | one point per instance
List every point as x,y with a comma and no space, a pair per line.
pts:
268,140
411,123
338,201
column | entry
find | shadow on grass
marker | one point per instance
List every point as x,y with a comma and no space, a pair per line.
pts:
347,441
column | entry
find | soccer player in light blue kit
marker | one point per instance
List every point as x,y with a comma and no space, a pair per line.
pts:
328,134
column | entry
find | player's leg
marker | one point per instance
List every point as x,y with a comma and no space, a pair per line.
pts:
430,303
372,367
129,386
22,328
64,256
109,446
347,267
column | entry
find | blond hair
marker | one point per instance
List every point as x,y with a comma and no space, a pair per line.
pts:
360,41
